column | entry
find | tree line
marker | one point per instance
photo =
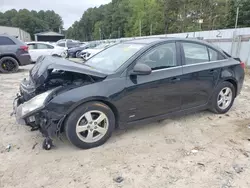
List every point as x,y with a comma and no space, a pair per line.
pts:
127,18
32,21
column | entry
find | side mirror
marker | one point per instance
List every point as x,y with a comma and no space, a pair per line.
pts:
141,69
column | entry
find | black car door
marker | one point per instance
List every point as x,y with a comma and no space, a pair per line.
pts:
159,92
201,70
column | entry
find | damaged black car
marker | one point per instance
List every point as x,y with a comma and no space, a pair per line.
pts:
135,81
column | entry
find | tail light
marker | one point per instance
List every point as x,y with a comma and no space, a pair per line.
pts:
242,64
24,48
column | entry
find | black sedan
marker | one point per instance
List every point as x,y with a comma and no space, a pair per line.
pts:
135,81
75,51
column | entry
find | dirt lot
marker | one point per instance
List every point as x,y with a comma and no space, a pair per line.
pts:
199,150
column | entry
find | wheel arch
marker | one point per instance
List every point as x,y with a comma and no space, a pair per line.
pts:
232,81
96,99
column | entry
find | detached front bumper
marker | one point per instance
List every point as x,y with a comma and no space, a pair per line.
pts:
48,122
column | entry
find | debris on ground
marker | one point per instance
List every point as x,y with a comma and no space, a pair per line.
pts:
194,151
232,141
227,115
201,164
34,146
8,147
238,169
244,152
177,167
118,179
170,141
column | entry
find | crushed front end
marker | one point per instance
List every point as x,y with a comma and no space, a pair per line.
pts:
30,109
47,80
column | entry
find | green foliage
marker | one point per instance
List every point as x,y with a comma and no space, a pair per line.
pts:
124,18
127,18
244,13
32,21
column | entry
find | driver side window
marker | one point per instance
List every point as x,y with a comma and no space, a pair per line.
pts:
160,57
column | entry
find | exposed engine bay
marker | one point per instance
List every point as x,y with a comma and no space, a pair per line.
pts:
51,72
56,78
50,77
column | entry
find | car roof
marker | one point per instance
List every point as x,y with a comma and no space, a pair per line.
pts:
154,40
40,42
5,35
13,38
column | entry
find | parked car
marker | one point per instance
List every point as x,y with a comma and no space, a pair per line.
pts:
132,82
75,52
88,53
36,49
13,53
66,43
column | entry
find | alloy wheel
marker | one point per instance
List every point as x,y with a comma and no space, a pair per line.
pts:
92,126
8,65
78,54
225,98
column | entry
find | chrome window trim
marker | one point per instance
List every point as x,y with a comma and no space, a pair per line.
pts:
207,62
171,68
183,66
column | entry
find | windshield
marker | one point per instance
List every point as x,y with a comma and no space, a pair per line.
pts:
112,58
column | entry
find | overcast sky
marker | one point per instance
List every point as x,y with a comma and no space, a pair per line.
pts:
69,10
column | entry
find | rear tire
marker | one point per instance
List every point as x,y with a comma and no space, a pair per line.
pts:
78,54
90,125
223,98
8,65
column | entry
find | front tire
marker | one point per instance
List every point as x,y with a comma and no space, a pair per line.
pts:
223,98
90,125
8,65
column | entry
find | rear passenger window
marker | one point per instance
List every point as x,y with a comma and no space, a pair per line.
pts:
6,41
214,55
32,46
61,44
195,53
42,46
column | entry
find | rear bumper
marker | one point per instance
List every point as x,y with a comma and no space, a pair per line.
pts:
24,59
240,85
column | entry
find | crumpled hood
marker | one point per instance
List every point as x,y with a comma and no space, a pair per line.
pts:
45,64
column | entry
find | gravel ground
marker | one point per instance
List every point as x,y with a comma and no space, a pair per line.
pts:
198,150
